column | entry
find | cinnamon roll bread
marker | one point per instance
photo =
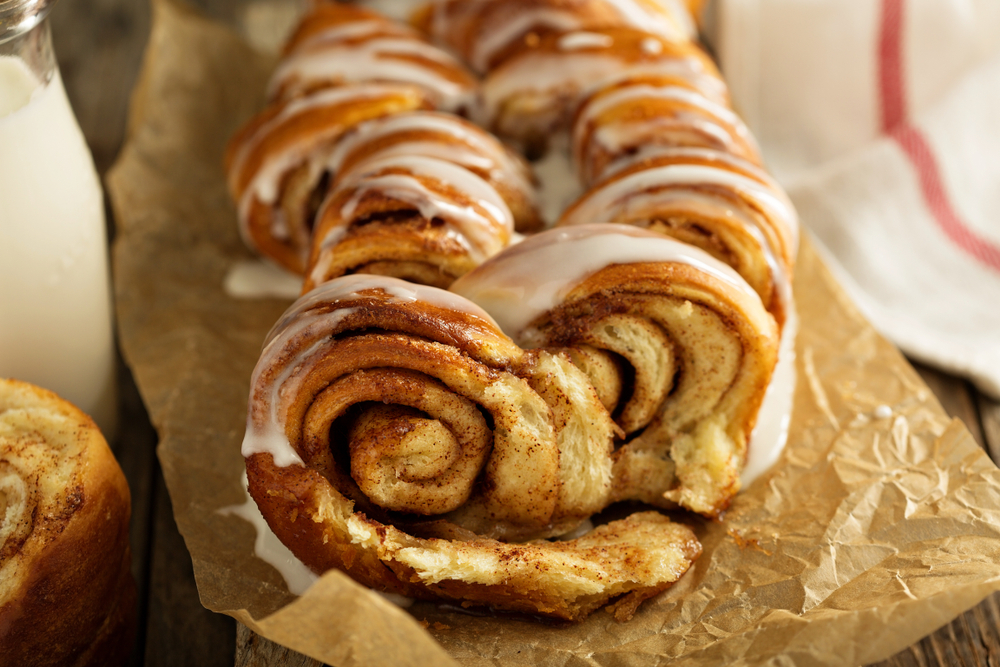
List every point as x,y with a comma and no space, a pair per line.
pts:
642,117
67,596
451,138
424,196
396,434
688,349
441,450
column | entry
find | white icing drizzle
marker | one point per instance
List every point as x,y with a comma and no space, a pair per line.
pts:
651,46
582,39
673,22
269,548
379,59
485,227
498,37
301,334
620,131
351,31
259,279
477,149
581,72
531,278
265,184
350,288
505,28
770,435
604,201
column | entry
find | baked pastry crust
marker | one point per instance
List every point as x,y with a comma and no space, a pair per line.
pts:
67,596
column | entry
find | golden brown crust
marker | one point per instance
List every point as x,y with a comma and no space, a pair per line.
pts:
68,597
336,44
452,138
325,15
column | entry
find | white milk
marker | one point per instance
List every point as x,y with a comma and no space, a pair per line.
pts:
55,301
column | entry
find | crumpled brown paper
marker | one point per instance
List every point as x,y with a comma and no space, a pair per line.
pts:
870,532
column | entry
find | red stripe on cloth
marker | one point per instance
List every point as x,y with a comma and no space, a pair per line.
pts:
919,151
896,123
890,66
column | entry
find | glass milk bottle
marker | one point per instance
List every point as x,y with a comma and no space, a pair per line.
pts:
55,298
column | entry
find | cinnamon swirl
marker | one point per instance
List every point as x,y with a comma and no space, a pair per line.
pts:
396,434
695,342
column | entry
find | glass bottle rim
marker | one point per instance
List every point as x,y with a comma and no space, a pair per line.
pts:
19,16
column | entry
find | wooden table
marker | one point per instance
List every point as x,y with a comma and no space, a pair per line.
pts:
99,45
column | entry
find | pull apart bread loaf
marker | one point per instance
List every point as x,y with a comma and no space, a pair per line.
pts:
67,596
457,394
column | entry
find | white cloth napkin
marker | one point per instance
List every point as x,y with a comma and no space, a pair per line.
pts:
882,119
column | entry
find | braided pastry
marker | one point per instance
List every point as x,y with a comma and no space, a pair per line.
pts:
395,431
409,216
343,65
624,123
277,163
453,139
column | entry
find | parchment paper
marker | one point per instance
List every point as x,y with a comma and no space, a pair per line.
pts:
869,533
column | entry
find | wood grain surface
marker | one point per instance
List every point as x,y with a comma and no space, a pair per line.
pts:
99,45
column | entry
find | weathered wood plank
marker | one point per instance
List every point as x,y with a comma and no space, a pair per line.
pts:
989,414
957,397
252,650
179,631
99,46
135,450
